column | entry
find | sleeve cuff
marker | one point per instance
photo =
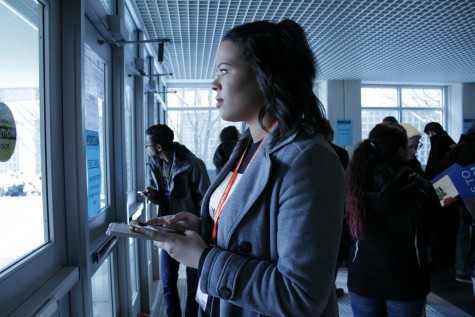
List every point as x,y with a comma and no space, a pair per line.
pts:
203,258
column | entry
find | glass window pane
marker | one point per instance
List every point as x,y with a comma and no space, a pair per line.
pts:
419,118
22,178
199,131
370,118
132,34
196,124
102,286
191,97
378,97
129,95
430,101
94,70
133,266
108,6
422,98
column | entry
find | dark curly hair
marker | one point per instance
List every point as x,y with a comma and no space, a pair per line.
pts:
285,69
383,145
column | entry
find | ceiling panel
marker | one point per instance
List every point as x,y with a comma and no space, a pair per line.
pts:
368,40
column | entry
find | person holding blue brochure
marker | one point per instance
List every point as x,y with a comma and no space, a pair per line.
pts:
464,154
467,157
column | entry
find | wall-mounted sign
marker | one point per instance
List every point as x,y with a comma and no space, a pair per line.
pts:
93,156
344,132
467,124
8,134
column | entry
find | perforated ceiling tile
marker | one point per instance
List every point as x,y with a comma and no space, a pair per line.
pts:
368,40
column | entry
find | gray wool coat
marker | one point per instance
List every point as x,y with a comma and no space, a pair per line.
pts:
278,234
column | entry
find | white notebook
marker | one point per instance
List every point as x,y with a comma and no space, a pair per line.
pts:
124,230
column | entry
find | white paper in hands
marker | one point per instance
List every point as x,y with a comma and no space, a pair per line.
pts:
127,230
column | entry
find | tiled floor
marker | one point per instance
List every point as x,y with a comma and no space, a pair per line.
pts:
436,306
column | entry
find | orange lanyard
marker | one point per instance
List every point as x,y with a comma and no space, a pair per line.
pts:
229,185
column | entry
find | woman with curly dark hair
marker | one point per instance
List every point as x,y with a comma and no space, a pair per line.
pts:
387,208
268,237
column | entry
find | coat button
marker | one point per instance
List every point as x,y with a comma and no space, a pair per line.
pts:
224,293
244,247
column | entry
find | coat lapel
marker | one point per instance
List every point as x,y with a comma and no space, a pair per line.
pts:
247,191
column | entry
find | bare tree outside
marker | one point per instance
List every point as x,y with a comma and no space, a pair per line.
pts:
413,105
196,122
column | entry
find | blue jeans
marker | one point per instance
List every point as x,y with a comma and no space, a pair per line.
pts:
370,307
169,274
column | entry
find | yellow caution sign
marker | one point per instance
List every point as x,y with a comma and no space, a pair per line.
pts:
8,134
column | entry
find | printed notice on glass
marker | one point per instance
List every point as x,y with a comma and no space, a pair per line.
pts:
8,135
344,132
93,155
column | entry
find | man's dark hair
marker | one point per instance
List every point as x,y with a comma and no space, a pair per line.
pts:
433,127
229,134
390,120
161,134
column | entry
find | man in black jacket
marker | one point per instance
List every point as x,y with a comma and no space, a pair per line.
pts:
178,180
440,144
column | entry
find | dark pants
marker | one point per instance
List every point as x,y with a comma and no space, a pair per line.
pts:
443,253
169,274
462,247
370,307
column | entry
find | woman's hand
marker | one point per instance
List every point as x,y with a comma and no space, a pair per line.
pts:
186,249
182,221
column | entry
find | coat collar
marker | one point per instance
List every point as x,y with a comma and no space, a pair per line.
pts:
251,185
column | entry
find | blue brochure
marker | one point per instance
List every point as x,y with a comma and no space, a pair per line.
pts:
453,182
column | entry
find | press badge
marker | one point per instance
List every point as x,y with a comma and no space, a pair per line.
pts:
201,298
